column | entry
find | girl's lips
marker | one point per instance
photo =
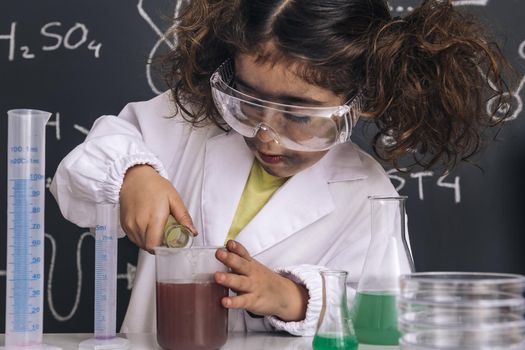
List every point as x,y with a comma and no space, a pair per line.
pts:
270,159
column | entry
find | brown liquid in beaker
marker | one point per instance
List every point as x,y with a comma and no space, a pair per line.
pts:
190,316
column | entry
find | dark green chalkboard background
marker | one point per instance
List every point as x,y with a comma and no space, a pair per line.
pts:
48,60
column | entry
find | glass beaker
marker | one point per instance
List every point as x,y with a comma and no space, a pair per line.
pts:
190,314
334,331
374,313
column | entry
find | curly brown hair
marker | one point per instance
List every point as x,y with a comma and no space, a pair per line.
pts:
425,78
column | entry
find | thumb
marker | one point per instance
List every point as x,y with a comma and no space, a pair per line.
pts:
181,214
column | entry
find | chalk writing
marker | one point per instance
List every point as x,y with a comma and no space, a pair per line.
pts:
55,37
82,129
419,176
11,38
56,124
74,37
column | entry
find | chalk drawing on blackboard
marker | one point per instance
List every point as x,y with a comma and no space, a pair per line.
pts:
402,9
129,276
453,185
163,39
131,271
82,129
26,53
392,176
59,41
471,2
419,177
11,38
510,111
66,41
50,302
56,124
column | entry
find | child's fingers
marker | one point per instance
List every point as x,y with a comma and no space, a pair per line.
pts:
179,211
154,234
236,302
132,229
134,237
138,239
237,248
233,261
233,281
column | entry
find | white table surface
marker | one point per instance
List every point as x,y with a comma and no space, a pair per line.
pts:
236,341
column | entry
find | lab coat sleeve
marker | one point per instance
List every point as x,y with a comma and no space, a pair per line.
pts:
309,276
93,172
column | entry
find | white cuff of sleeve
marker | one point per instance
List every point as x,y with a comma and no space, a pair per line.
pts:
308,276
257,324
117,169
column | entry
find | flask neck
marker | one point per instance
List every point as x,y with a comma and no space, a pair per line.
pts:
388,217
334,290
389,254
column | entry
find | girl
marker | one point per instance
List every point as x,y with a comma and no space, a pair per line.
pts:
263,98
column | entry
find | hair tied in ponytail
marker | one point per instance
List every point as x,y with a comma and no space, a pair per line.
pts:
426,93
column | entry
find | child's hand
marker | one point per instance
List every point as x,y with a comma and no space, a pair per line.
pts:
259,289
146,200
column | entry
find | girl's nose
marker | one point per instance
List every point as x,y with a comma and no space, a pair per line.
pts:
266,134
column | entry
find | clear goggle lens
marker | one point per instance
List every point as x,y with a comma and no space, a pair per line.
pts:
294,127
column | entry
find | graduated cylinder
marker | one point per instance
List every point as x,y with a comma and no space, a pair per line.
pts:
25,227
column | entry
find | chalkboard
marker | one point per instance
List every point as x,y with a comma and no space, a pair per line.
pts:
82,59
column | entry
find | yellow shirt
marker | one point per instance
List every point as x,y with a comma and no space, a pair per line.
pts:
257,192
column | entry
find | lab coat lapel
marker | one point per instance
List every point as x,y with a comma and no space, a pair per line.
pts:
302,200
227,165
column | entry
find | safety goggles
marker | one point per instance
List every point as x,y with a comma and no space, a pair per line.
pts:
293,127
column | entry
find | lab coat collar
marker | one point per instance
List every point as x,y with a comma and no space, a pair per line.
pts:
343,163
302,200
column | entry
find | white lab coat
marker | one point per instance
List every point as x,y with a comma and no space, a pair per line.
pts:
320,218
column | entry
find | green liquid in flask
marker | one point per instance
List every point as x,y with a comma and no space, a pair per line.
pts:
326,342
375,318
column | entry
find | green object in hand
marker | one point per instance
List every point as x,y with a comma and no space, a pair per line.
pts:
177,235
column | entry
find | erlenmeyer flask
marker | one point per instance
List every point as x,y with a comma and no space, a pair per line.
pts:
334,331
374,313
